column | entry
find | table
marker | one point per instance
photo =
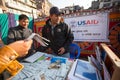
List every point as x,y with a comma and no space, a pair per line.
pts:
39,70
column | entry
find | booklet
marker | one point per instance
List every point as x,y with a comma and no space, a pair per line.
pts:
85,71
43,41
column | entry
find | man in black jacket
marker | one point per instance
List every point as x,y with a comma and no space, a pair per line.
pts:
58,33
20,32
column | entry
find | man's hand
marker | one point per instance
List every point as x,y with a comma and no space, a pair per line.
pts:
49,51
61,50
21,47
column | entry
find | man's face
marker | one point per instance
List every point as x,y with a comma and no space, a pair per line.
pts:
55,18
24,23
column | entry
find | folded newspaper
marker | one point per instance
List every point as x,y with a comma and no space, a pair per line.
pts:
43,41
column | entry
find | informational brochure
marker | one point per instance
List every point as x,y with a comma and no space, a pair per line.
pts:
34,57
85,71
98,54
43,41
96,63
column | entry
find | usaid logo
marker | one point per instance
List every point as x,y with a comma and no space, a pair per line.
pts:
74,23
88,22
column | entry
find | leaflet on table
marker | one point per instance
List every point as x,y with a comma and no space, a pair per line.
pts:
85,70
92,60
38,70
34,57
82,70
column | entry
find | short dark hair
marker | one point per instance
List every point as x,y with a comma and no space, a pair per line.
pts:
54,10
23,16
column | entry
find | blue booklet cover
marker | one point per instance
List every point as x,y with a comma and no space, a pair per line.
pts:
54,59
85,71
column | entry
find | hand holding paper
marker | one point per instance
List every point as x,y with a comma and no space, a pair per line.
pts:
39,39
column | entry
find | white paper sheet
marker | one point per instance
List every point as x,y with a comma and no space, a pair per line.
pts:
34,57
38,38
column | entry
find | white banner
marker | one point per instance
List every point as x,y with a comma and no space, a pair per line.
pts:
92,28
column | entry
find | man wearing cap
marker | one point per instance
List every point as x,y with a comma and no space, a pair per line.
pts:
58,33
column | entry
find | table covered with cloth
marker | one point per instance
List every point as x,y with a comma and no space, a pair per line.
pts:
47,67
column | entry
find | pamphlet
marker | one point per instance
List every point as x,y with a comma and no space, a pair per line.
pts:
43,41
34,57
98,54
96,63
85,71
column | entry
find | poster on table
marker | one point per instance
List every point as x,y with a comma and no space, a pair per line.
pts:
91,28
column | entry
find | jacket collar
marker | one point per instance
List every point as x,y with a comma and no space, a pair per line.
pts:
48,22
20,27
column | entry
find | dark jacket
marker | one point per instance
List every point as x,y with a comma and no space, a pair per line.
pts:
62,36
19,33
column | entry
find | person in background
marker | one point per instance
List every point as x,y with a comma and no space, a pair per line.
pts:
12,51
58,33
20,32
